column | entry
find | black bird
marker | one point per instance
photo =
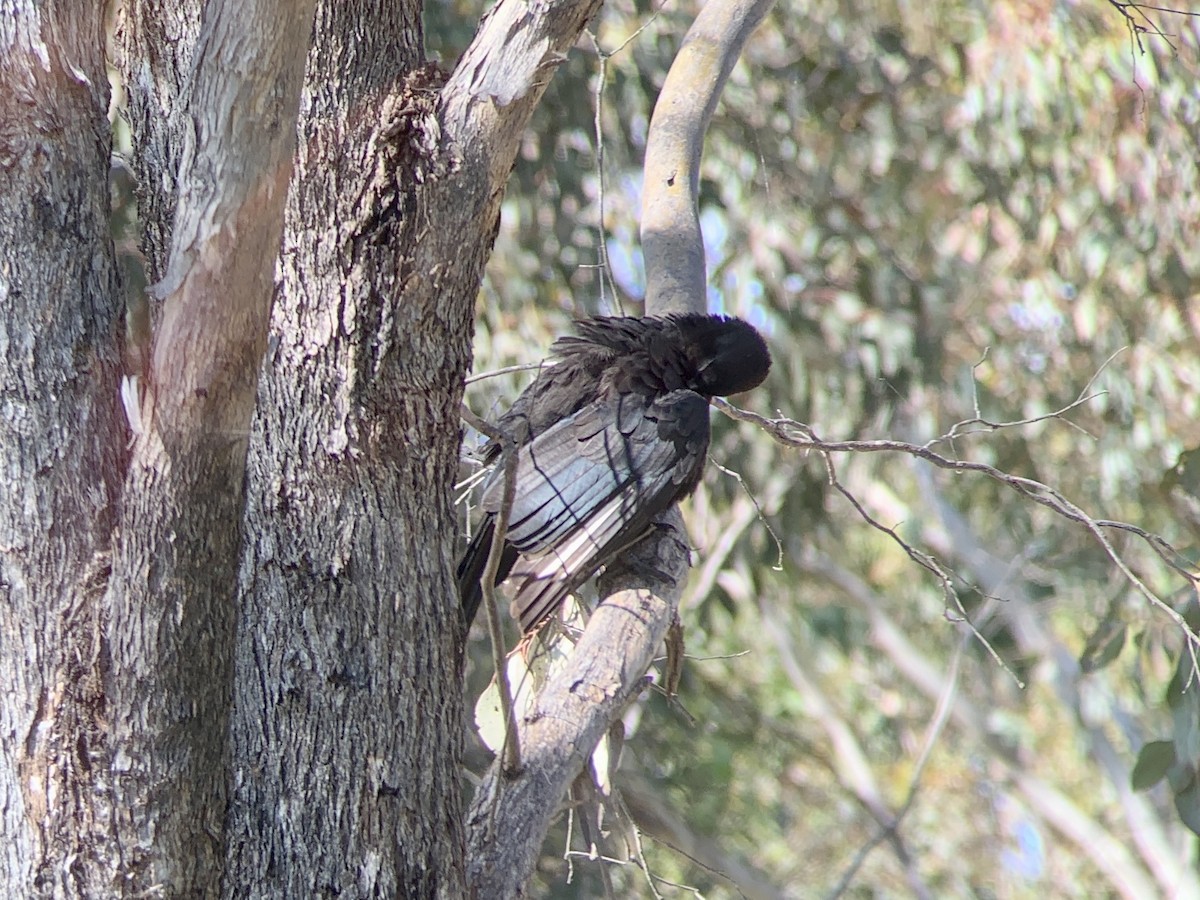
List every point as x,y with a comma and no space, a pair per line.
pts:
610,436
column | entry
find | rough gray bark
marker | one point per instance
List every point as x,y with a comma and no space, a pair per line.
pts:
175,562
350,647
61,445
348,701
156,40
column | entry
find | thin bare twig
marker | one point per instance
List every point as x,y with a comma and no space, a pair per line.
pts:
598,137
507,370
1131,12
987,427
778,567
597,126
508,460
927,562
791,433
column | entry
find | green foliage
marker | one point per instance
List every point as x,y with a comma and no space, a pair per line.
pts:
937,212
1155,758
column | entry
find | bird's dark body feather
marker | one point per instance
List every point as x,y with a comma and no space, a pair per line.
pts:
609,438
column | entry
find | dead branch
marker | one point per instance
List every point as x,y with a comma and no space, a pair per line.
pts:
508,462
791,433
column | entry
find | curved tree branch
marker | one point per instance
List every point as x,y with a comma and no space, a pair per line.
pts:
671,242
500,78
511,814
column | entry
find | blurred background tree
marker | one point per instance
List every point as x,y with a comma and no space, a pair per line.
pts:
937,212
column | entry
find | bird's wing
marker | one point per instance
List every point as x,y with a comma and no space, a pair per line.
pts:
591,485
558,391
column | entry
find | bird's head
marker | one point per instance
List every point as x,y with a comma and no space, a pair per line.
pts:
729,355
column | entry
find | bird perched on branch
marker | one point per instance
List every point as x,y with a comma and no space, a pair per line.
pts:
609,437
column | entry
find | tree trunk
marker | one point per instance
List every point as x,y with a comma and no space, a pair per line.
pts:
261,696
156,41
176,558
348,702
350,646
62,440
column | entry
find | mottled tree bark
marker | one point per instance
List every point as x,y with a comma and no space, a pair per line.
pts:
156,40
260,695
348,714
62,442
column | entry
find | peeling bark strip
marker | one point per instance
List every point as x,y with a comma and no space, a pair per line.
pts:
175,566
233,177
61,446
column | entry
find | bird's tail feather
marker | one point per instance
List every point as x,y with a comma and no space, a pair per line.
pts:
472,564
